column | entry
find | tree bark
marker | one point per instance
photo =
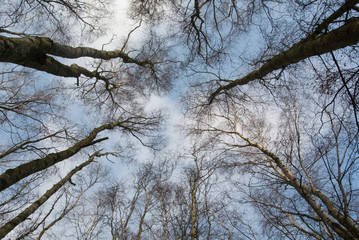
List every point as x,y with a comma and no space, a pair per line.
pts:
33,52
9,226
11,176
344,36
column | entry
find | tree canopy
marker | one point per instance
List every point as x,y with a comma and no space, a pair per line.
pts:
200,119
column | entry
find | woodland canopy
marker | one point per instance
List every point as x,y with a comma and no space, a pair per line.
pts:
179,119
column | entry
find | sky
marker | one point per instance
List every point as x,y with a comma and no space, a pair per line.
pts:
175,139
168,103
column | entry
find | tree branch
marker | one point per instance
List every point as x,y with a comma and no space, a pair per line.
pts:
4,230
33,52
344,36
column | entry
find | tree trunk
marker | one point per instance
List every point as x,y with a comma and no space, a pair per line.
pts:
350,230
11,176
33,52
344,36
4,230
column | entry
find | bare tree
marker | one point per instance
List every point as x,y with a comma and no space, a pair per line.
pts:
300,173
316,43
310,90
273,125
37,40
33,207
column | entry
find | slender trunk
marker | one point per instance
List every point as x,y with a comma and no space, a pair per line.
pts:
128,218
65,212
347,230
140,226
4,230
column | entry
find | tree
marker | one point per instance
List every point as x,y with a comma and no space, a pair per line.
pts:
33,207
35,121
121,210
271,107
287,180
314,44
298,169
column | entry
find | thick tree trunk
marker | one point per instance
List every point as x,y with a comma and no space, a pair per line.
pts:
344,36
4,230
11,176
33,52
